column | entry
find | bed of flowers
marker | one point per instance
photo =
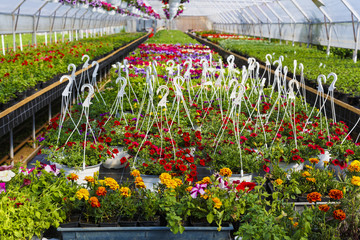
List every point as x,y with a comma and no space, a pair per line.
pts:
21,71
315,61
178,108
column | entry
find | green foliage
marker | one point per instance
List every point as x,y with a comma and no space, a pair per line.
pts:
171,37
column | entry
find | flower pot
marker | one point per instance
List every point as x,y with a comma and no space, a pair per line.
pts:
112,222
73,221
88,171
322,158
127,223
114,163
287,167
150,181
145,233
247,177
84,223
149,223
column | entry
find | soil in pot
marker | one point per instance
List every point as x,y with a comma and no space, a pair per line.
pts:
72,221
111,222
125,222
84,223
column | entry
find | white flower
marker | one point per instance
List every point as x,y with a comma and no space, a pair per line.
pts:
6,175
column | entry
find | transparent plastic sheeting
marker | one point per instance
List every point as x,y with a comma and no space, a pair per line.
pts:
66,17
326,22
342,33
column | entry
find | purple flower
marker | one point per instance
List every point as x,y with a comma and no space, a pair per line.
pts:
199,188
6,167
135,100
2,187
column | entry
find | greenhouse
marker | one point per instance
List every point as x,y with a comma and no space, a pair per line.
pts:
179,119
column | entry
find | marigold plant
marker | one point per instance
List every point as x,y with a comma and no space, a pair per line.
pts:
324,208
355,180
339,214
82,193
225,172
336,194
94,201
314,197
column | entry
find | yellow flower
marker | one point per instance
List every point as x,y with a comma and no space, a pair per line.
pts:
89,179
308,167
138,180
295,224
217,202
188,189
355,180
82,193
279,181
326,163
178,181
225,172
354,166
314,160
170,183
125,191
306,174
160,97
330,174
311,180
110,182
141,185
135,173
164,176
206,180
291,218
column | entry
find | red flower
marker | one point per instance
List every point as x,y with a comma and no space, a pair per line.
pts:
202,162
115,150
193,167
248,186
116,123
101,147
329,144
145,164
349,151
108,139
193,173
341,164
123,160
253,134
182,168
266,168
101,139
162,162
128,135
167,167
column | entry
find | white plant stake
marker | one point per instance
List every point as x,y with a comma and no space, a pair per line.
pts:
65,104
85,112
94,82
73,76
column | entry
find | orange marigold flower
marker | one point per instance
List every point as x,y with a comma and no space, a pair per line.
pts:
279,181
306,174
135,173
324,208
94,201
72,177
89,179
314,197
225,172
217,202
314,160
295,224
101,191
336,194
311,180
339,214
140,185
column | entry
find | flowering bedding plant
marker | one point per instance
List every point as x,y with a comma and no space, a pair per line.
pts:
32,200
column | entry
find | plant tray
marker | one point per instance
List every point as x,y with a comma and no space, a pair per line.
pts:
144,233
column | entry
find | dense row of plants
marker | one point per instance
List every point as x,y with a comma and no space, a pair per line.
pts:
315,62
265,130
268,130
21,71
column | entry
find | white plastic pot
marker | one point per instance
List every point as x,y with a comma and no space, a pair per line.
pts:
150,181
237,177
115,162
88,171
322,158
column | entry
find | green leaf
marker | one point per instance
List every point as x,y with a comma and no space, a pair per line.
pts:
210,217
37,215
